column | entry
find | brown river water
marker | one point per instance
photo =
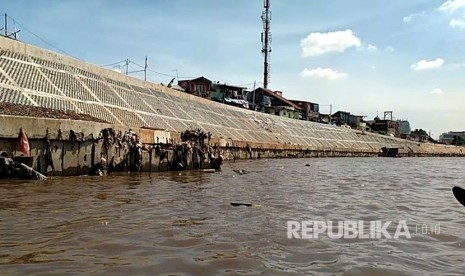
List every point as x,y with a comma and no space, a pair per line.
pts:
183,223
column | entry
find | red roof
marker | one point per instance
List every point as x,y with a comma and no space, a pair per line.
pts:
196,79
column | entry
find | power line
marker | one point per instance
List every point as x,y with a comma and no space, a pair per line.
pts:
40,38
247,84
114,63
159,73
105,65
129,62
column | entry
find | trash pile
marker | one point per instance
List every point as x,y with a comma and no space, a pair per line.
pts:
195,150
41,112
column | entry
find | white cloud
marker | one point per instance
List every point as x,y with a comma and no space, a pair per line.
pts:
323,73
457,23
427,64
410,17
368,47
316,44
451,6
437,91
390,49
371,48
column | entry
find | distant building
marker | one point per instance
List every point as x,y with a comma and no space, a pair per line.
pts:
270,102
448,137
200,86
341,118
385,126
356,122
229,94
325,118
404,127
310,111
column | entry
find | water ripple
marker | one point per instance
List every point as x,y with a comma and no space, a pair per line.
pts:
183,223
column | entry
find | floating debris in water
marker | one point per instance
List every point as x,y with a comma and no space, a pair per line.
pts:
235,204
241,171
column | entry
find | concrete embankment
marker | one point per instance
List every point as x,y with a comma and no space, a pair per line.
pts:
74,147
31,76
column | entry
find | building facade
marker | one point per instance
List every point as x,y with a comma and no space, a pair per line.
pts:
270,102
341,118
404,127
356,122
200,86
448,137
385,127
310,111
220,92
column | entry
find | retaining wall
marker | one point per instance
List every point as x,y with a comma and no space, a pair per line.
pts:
33,76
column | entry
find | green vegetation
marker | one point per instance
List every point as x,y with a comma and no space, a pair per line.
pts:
418,133
458,141
421,135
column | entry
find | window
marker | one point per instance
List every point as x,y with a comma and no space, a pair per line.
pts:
200,88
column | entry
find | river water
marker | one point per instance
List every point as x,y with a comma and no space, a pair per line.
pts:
183,223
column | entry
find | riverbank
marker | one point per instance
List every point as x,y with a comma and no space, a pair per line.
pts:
145,121
74,147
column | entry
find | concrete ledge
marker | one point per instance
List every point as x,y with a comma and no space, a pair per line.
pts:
78,156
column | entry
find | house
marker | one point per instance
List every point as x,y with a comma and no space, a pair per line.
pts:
448,137
356,122
404,128
229,94
385,126
221,91
270,102
200,86
310,111
325,118
341,118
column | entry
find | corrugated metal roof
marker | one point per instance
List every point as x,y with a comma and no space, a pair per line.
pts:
281,98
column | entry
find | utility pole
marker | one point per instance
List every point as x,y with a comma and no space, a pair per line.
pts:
146,65
254,108
12,35
266,42
127,66
6,25
330,114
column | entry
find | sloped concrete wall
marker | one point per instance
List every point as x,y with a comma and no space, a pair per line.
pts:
34,76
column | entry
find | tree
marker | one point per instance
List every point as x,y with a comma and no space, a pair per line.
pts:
458,141
420,134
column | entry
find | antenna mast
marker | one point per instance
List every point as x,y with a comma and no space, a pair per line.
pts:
266,42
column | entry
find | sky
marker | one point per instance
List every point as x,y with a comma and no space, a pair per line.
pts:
361,56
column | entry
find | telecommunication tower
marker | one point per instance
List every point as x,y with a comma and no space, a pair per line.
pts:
266,42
